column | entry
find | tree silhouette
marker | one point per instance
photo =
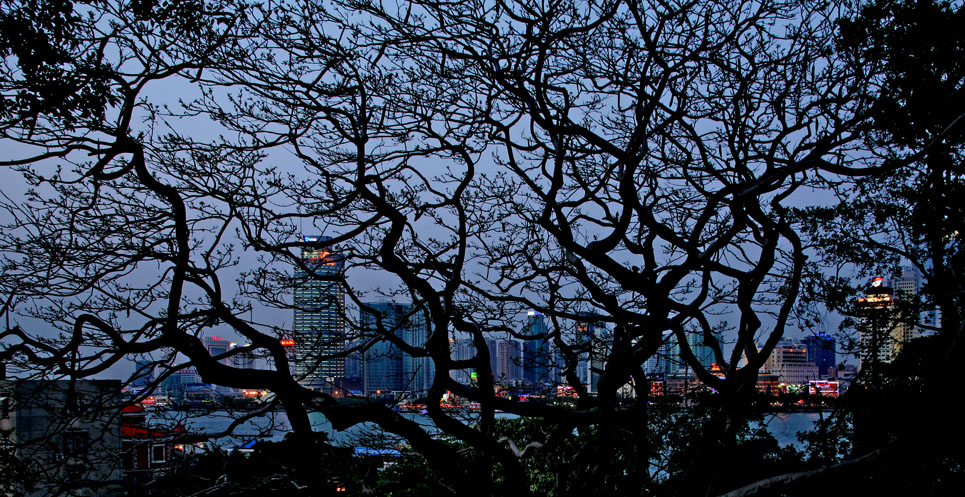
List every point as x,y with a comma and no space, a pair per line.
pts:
626,165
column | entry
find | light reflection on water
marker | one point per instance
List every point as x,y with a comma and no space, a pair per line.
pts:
274,426
785,426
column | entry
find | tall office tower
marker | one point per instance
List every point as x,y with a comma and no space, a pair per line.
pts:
789,361
878,326
537,361
493,346
821,351
319,328
386,367
908,289
508,364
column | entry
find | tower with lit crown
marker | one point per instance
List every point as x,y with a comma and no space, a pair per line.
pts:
877,328
319,320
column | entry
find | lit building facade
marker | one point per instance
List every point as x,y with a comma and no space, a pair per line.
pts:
878,327
789,361
319,318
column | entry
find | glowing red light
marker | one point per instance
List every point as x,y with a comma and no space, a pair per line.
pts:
287,343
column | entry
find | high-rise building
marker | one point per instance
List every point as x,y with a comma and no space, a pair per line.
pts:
319,321
387,368
878,327
537,361
492,345
821,351
907,289
508,361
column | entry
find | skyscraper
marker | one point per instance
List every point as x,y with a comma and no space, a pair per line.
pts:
536,351
878,324
319,324
508,361
386,367
821,351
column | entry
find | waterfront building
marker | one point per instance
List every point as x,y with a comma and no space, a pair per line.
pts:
703,352
821,351
492,345
146,450
319,317
354,366
789,361
387,368
218,346
180,381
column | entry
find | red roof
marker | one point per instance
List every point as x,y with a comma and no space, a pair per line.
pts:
130,431
133,408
